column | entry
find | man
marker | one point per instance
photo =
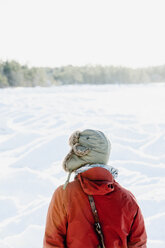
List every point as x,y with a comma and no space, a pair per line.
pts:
93,210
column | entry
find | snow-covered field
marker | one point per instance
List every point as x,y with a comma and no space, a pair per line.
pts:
35,124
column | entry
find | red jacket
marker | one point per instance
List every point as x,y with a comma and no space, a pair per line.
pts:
70,222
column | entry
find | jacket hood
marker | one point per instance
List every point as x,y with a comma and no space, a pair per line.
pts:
96,181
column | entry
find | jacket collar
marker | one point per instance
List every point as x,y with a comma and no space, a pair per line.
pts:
86,167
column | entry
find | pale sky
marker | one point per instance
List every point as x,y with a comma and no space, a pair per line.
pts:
78,32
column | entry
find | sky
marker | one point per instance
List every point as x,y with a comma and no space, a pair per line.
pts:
80,32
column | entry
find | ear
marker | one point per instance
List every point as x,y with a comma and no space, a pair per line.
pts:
80,150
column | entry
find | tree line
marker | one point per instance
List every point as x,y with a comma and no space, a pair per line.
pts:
13,74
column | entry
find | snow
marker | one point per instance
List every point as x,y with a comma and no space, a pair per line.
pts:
35,124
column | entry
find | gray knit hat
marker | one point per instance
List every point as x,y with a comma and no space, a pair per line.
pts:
87,147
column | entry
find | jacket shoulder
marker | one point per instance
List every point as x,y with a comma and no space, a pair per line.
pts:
64,194
70,186
127,197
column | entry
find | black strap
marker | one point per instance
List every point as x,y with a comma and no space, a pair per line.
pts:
97,223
